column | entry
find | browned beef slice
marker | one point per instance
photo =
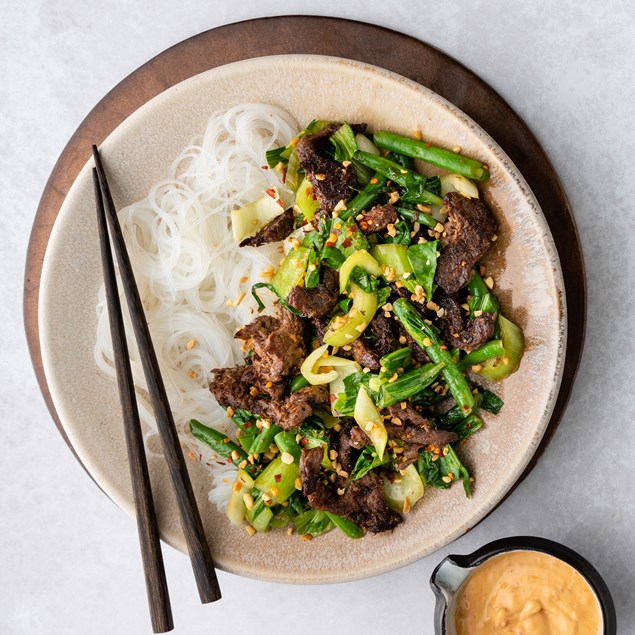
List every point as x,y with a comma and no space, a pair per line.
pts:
363,501
399,292
293,410
467,236
231,387
278,229
319,301
346,451
416,433
377,340
377,219
331,181
278,343
456,334
408,415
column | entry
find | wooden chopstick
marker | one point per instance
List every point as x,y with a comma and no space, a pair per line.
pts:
198,548
156,584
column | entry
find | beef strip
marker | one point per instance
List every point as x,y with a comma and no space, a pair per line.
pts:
363,501
466,237
456,333
278,229
294,409
377,340
416,433
331,181
351,438
319,301
278,343
233,387
399,292
377,219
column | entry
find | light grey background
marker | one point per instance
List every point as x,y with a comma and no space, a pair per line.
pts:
69,561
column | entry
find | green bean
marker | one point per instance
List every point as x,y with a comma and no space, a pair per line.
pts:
415,216
298,382
368,195
426,337
286,443
218,441
440,157
264,439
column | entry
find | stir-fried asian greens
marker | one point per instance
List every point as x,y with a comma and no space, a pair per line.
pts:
358,391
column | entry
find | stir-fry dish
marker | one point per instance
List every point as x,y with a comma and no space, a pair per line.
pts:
358,389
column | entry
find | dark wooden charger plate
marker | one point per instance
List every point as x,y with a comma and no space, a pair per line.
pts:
342,38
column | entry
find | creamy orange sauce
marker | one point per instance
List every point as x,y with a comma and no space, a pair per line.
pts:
526,593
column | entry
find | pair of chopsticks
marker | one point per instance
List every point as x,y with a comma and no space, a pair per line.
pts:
198,548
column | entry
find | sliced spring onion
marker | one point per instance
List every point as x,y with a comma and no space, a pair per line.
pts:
460,184
277,480
249,220
236,506
369,419
346,329
366,145
291,272
305,200
404,490
310,368
361,259
514,347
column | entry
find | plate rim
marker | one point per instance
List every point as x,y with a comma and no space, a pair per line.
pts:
520,171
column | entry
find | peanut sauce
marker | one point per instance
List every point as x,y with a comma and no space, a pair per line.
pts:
526,593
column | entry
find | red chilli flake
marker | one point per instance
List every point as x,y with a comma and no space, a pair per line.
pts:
248,424
271,192
264,167
332,398
429,144
346,242
277,477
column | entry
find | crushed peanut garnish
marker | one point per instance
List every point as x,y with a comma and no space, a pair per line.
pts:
489,282
191,344
286,458
250,530
193,374
298,484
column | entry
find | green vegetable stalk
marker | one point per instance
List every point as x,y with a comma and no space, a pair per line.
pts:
426,337
414,182
409,384
440,157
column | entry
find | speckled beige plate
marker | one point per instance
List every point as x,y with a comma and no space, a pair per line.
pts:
523,262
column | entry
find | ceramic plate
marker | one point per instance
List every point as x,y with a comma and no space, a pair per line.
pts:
523,262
